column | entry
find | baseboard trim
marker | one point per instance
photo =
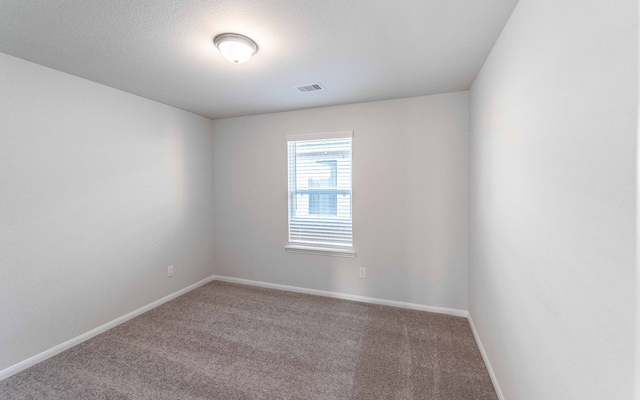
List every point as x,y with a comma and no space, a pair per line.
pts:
344,296
21,366
485,358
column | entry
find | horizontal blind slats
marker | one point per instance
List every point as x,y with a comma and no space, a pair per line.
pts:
320,192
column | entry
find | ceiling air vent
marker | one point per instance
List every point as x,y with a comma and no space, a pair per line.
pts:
313,87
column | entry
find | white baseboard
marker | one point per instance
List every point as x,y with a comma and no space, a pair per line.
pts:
352,297
21,366
487,363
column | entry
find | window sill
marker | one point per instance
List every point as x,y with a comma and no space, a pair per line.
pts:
320,251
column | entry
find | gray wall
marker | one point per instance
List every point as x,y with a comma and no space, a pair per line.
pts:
101,191
410,191
553,210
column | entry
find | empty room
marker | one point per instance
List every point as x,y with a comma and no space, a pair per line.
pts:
304,199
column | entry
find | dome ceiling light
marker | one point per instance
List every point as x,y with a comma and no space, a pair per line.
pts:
234,47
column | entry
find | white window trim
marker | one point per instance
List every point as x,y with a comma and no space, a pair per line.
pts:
315,250
321,251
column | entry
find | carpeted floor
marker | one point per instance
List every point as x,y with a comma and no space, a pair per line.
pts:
227,341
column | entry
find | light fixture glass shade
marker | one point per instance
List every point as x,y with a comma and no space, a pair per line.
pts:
236,48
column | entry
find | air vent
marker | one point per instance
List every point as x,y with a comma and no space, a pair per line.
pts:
313,87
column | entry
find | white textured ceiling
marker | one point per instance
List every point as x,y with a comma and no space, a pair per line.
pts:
359,50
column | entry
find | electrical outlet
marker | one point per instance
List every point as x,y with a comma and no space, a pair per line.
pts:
170,270
363,272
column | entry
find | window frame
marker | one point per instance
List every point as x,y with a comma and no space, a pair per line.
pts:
318,249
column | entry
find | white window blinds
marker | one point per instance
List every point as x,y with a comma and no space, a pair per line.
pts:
320,192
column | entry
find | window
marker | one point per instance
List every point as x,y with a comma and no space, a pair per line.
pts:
323,196
320,194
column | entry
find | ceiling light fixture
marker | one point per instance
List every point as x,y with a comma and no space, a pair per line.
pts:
236,48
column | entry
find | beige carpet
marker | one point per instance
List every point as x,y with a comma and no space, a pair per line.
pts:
226,341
